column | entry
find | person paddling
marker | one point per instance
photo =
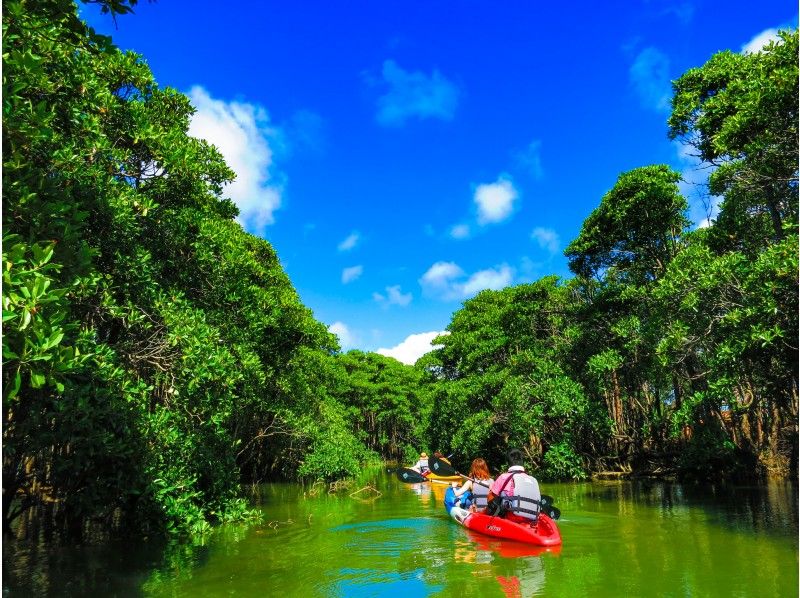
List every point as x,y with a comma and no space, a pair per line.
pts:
479,486
441,457
515,494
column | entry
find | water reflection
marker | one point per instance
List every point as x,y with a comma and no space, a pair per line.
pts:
422,490
430,493
619,539
517,568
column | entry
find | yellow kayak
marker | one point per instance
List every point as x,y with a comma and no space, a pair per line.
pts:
444,479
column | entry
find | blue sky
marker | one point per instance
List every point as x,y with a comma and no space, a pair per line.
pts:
402,156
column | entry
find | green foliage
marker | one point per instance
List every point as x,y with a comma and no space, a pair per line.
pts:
662,332
386,404
336,452
635,231
561,462
156,354
497,380
710,455
739,111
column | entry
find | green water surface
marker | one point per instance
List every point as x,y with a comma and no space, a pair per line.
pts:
620,539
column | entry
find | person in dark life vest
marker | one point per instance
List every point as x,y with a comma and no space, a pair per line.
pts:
518,492
476,490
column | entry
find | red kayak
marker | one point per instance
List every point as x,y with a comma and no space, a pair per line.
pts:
543,533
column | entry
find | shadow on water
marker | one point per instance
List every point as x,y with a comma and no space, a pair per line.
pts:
115,568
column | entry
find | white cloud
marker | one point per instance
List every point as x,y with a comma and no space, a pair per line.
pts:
649,75
242,133
413,347
350,242
531,159
439,279
460,231
547,239
492,278
415,94
495,201
760,41
445,280
351,274
394,296
347,339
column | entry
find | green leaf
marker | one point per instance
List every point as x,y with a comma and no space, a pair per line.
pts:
16,386
37,379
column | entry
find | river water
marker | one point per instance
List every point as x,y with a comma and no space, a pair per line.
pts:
394,539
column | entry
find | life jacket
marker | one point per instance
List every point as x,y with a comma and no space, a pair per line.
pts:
423,465
480,492
527,500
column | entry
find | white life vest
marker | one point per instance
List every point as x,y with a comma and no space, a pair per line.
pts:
526,501
423,465
480,492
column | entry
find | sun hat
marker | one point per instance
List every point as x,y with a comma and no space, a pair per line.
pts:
424,455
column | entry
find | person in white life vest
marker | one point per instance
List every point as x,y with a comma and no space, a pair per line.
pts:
422,464
518,491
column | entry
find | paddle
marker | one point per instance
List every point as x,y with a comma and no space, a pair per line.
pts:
410,476
441,468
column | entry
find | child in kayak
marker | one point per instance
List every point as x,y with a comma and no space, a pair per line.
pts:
517,492
477,487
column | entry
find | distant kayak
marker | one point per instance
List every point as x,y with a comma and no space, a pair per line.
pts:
412,476
544,533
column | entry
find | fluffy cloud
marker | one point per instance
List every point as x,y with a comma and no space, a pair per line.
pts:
242,133
495,201
460,231
446,280
350,242
440,279
347,339
415,94
413,347
351,274
760,41
491,278
547,239
649,76
394,296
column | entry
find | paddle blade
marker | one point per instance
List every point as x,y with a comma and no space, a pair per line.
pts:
410,476
440,467
547,507
552,512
